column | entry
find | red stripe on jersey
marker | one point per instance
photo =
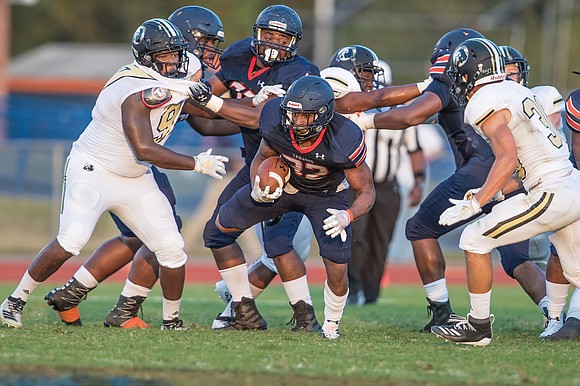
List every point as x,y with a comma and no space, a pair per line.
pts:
359,154
436,70
572,116
362,158
443,59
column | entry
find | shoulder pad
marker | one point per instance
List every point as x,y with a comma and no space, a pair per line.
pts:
155,97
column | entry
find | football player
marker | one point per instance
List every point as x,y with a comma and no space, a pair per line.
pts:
473,158
268,59
372,233
326,154
558,286
109,166
509,117
203,31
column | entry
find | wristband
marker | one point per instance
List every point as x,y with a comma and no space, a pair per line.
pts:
214,103
366,121
350,215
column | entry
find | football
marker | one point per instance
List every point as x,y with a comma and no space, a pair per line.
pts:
273,172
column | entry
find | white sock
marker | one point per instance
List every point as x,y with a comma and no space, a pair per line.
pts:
236,279
25,288
228,310
480,305
437,291
83,276
256,291
131,289
574,309
297,290
557,296
333,308
171,309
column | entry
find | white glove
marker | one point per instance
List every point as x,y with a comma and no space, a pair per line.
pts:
335,224
211,165
424,84
461,210
265,93
472,192
264,196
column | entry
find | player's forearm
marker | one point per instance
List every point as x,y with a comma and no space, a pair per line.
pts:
164,158
364,201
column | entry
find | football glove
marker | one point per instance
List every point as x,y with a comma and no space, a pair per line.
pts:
211,165
335,224
461,210
265,93
264,196
200,93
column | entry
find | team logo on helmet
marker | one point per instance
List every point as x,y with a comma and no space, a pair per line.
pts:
139,35
347,53
460,56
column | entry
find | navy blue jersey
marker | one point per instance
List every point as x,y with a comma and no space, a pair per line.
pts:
239,73
464,141
318,169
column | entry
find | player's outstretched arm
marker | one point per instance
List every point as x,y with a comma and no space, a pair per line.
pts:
383,97
237,113
415,113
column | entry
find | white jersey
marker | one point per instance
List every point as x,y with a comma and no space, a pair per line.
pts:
104,139
542,152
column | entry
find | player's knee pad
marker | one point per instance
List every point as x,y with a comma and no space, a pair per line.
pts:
416,230
170,253
214,238
473,241
74,238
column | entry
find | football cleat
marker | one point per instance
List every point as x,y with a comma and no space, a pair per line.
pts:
552,326
570,330
304,318
12,312
174,324
220,322
245,316
124,315
223,291
471,331
440,313
65,300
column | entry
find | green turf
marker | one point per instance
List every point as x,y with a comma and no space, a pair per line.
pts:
379,345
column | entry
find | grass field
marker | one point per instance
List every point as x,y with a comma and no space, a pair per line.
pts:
379,345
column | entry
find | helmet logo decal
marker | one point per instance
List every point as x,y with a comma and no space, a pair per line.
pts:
294,105
277,25
139,35
347,53
460,56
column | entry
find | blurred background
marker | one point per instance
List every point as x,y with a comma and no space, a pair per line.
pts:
55,55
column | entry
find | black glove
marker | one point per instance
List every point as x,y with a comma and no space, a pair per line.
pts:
200,92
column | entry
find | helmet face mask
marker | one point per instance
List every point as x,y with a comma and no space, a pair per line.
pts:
160,36
203,30
271,22
474,62
513,56
307,108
